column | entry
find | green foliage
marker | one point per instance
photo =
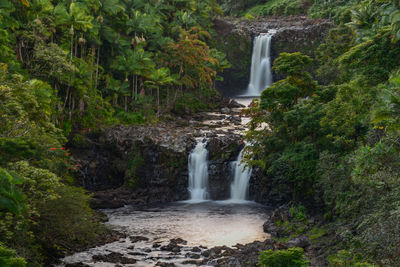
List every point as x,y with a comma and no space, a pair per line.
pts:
8,258
66,221
298,212
289,147
338,144
293,257
280,7
11,198
347,259
187,104
291,64
337,10
338,41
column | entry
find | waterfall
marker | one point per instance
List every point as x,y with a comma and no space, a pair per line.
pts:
198,172
240,184
261,75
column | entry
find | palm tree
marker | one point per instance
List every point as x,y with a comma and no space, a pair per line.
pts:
157,78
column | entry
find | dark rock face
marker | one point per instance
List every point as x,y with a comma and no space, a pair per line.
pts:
149,164
222,151
267,191
235,37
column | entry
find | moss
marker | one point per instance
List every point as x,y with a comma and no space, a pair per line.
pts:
135,161
316,233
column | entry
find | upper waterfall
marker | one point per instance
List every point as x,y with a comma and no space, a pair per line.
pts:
240,184
198,172
261,74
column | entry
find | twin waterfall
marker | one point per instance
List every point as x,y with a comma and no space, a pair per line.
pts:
261,74
241,178
198,175
260,78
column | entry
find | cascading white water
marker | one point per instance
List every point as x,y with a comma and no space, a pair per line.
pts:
261,74
198,173
240,184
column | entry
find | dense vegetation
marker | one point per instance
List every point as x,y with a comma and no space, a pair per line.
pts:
72,67
335,146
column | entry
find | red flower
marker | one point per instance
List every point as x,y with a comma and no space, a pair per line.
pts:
75,168
53,148
314,95
67,154
62,148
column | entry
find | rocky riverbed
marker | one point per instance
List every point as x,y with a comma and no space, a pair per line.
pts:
182,234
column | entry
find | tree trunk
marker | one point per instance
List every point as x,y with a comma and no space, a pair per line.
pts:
133,88
158,101
126,103
97,67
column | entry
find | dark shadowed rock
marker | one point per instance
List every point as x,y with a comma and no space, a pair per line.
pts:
300,241
135,239
114,258
196,249
79,264
165,264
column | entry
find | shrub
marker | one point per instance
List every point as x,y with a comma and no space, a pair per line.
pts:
293,257
8,258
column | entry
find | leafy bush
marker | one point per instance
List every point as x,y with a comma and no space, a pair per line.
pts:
332,9
188,104
280,7
8,258
293,257
347,259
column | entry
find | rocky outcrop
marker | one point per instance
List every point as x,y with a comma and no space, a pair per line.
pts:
294,34
149,164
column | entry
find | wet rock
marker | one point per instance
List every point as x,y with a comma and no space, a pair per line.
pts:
300,241
190,262
165,264
176,249
78,264
114,257
135,239
205,253
137,254
225,110
270,228
147,250
234,262
178,241
196,249
156,245
192,255
234,104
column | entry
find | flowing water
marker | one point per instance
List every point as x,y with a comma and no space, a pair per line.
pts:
241,178
206,224
261,74
198,172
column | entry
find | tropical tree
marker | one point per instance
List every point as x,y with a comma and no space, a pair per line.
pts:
158,78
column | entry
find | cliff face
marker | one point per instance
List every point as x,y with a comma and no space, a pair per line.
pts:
149,164
294,34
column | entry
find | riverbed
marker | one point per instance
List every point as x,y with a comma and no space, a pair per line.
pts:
193,227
